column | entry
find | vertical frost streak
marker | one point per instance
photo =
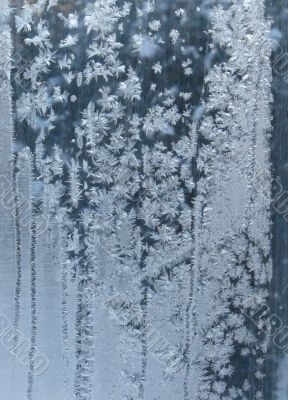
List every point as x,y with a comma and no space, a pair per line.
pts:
233,239
33,299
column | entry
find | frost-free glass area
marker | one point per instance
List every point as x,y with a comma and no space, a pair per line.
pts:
143,243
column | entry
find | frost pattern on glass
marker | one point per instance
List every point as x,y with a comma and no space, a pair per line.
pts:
137,252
